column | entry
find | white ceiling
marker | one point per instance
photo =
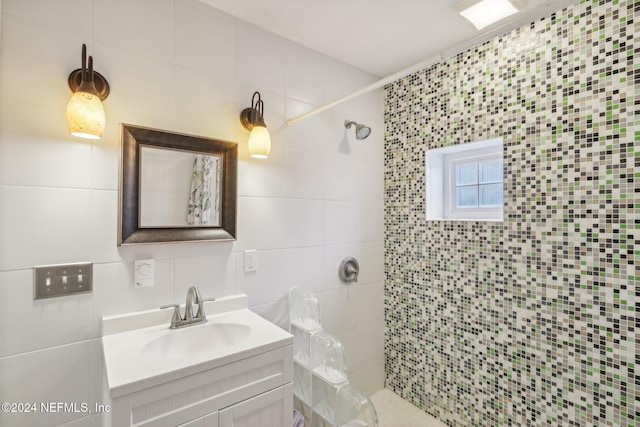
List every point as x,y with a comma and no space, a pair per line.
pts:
378,36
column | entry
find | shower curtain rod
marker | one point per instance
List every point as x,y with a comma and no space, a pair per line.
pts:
373,86
523,19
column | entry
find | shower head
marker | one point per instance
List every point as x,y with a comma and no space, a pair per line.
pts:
362,131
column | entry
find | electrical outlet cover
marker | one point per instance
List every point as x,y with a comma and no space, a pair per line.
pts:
250,261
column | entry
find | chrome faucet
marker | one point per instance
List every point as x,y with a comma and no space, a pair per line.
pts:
193,298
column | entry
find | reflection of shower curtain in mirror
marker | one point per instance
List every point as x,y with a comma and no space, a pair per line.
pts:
201,202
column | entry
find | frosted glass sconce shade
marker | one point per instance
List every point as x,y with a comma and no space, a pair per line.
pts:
85,116
253,119
259,142
85,113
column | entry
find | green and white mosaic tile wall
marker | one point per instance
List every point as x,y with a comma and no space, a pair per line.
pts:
533,321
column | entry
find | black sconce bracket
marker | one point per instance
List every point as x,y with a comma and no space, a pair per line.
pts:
250,117
77,76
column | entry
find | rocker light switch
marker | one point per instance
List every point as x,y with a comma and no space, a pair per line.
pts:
62,279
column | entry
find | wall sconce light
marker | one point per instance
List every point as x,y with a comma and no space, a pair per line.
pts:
252,119
85,114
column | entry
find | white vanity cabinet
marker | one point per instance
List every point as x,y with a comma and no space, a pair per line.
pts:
273,408
210,420
267,409
254,392
235,369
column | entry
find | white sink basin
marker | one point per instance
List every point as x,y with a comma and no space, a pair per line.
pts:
191,340
140,350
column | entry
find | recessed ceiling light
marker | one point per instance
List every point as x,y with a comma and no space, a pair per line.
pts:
483,13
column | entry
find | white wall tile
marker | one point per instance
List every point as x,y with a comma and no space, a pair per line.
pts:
305,69
341,80
140,88
213,275
55,158
27,324
349,221
276,312
261,177
371,302
142,26
260,58
104,222
57,374
105,155
28,238
278,223
54,14
304,268
198,249
348,177
343,177
269,282
302,172
114,291
368,378
362,106
278,272
371,343
27,50
338,309
205,39
307,134
210,102
349,340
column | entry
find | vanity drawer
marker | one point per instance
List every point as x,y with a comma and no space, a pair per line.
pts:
196,395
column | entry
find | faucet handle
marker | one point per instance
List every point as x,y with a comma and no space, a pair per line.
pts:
176,318
201,313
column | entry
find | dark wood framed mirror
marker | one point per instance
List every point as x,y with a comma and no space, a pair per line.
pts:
175,187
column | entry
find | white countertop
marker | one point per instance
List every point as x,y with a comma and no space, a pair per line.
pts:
129,369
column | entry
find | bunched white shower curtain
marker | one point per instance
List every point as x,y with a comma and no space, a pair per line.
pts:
203,198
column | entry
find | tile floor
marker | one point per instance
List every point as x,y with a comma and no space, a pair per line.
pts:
393,411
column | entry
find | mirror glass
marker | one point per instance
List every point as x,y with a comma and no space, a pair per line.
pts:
176,187
179,188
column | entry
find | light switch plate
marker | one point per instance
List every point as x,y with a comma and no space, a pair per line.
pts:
62,279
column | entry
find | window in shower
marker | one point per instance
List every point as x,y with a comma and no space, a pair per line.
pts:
465,182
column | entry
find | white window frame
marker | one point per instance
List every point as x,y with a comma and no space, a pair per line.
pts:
440,178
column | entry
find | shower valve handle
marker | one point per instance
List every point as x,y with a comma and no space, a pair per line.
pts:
349,269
